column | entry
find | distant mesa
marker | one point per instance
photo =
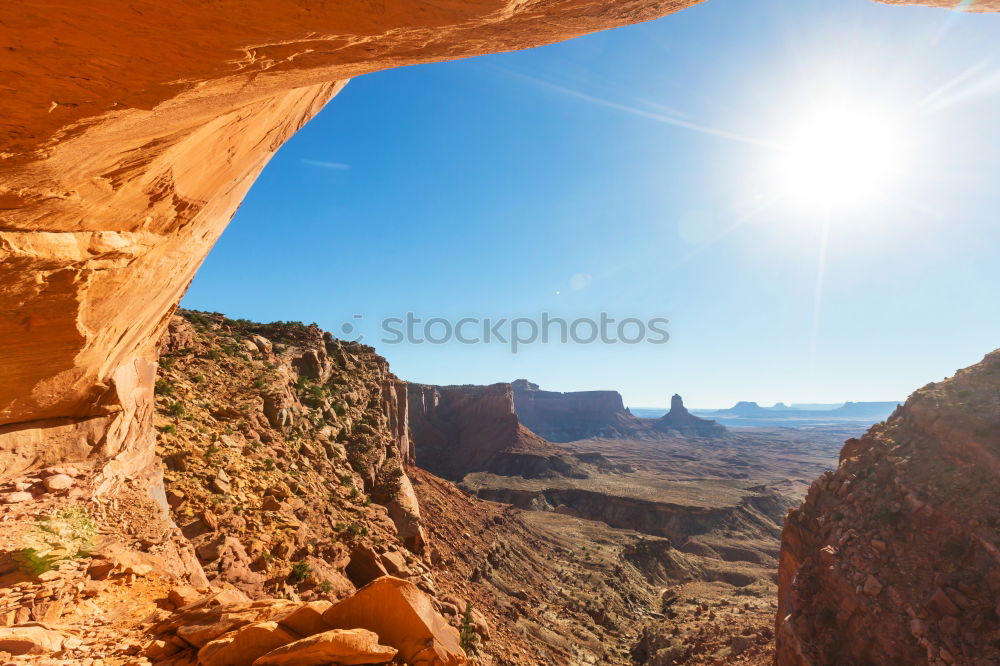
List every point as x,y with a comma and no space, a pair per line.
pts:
682,422
576,415
744,408
857,411
462,429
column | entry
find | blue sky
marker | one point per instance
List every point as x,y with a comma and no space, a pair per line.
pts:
633,172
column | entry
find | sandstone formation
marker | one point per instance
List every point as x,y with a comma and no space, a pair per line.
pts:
337,646
895,557
271,632
463,429
679,421
133,132
566,417
404,618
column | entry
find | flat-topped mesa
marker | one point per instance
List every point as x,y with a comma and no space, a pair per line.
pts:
462,429
902,537
575,415
679,421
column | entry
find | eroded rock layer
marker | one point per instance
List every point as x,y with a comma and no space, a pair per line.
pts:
565,417
899,549
463,429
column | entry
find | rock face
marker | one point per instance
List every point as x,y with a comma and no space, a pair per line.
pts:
463,429
117,180
680,421
903,537
566,417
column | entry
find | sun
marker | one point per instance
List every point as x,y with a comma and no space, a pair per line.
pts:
839,154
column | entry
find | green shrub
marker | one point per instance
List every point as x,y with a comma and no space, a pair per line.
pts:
326,587
389,480
65,535
176,409
169,429
162,387
468,638
300,571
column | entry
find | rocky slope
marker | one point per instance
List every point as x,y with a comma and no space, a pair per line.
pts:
286,448
903,537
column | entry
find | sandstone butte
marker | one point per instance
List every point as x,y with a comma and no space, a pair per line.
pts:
132,132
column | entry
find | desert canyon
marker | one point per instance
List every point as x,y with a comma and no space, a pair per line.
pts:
177,487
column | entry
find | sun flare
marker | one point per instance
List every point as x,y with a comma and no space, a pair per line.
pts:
839,154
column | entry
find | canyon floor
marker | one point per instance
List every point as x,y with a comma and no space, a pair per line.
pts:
712,508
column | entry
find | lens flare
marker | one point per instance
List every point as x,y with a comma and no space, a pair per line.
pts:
839,155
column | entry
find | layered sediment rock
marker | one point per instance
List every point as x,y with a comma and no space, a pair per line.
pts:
755,514
566,417
895,557
462,429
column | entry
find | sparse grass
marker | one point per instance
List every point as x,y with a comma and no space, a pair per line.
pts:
65,535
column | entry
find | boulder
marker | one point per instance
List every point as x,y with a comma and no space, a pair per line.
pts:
33,638
404,618
17,497
243,646
306,619
182,595
338,646
58,482
202,624
365,566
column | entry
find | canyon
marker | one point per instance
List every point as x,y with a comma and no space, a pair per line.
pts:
264,492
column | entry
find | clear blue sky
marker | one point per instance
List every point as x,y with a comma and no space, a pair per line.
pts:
641,161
